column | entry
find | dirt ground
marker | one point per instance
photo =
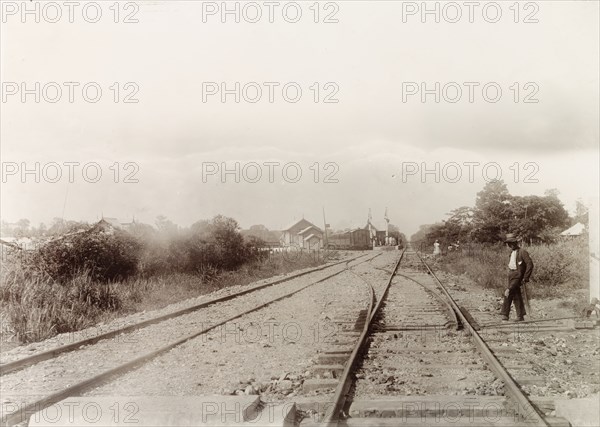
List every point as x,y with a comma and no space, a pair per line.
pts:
562,360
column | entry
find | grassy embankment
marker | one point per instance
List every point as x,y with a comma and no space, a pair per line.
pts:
34,307
561,269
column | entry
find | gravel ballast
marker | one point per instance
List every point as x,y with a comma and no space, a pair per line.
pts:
28,385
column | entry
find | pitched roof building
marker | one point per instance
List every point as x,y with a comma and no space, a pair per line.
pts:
301,234
575,230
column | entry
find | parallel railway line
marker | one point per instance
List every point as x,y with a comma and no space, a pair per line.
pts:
123,363
410,307
408,354
21,363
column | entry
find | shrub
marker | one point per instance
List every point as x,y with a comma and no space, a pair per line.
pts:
216,244
104,256
562,266
558,267
37,307
203,249
81,278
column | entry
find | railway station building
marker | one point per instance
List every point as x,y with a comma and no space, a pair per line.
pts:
302,234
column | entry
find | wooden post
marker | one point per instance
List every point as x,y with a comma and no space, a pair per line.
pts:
594,247
325,238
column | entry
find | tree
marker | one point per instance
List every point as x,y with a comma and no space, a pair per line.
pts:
6,229
456,228
22,228
42,229
165,226
23,223
262,233
201,229
581,213
394,232
535,216
60,226
438,231
217,243
460,224
497,212
552,192
258,228
141,231
421,235
492,213
57,226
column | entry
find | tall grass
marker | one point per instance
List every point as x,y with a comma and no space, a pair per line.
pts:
36,307
143,293
559,268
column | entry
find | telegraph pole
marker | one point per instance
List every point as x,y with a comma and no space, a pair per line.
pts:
387,226
325,229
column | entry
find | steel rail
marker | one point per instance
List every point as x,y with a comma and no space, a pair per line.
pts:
526,322
76,389
451,311
387,287
341,392
511,385
49,354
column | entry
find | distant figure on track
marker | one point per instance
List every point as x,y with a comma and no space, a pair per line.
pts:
592,307
520,267
436,248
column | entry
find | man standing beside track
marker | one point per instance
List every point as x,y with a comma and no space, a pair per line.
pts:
520,267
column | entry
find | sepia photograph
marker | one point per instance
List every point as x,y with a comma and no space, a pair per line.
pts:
349,213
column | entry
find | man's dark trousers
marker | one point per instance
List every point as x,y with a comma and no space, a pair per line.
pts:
514,293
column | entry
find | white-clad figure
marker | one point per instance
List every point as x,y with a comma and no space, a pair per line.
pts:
436,248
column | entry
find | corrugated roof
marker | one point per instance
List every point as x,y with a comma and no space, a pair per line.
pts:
296,223
575,230
308,228
310,236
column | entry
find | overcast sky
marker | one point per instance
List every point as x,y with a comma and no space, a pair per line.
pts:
370,135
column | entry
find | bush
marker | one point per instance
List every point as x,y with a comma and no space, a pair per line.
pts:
37,307
74,281
104,256
203,249
563,266
558,267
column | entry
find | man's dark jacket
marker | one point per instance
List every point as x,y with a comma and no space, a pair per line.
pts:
524,269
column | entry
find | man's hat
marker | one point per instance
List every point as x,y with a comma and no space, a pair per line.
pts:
511,238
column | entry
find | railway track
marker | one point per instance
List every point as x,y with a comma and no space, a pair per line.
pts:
404,353
23,362
420,361
108,359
